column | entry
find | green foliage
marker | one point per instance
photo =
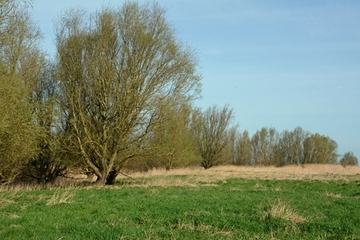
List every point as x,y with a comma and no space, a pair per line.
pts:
319,149
30,133
172,144
349,159
231,209
17,132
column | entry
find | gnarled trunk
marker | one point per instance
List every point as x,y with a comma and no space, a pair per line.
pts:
107,179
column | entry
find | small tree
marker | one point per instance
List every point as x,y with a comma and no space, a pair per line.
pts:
171,144
349,159
212,132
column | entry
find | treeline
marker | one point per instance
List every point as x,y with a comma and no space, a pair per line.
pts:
268,147
118,94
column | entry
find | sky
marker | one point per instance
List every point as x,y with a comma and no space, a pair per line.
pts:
277,63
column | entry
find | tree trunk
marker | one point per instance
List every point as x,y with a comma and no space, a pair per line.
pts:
107,178
206,164
100,181
111,178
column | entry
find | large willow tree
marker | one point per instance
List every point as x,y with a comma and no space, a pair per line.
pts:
120,71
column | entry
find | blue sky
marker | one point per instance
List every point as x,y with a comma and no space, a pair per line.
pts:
277,63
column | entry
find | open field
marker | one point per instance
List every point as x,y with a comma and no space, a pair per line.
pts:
313,202
321,172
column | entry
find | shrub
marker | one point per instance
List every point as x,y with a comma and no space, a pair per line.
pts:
349,159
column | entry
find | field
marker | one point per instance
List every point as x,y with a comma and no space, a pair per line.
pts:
311,202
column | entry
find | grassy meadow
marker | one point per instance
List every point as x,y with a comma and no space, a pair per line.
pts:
220,203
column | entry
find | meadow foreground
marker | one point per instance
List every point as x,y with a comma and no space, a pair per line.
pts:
313,202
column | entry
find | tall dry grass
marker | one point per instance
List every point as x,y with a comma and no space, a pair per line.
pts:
60,198
292,172
281,209
196,176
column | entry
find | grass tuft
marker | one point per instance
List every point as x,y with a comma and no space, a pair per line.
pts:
332,195
14,216
281,209
9,198
60,198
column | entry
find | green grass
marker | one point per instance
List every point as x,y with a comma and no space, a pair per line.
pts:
230,209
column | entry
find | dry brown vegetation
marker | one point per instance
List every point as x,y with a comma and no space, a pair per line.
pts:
280,209
60,198
194,176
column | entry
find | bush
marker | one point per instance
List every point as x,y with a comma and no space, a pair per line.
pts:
348,159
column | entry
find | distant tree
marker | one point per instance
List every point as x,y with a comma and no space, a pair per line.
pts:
227,154
263,144
212,132
119,71
349,159
242,149
319,149
290,147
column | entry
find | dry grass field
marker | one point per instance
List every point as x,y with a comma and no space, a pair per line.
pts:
194,176
198,176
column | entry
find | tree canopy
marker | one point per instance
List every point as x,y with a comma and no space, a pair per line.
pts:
120,71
